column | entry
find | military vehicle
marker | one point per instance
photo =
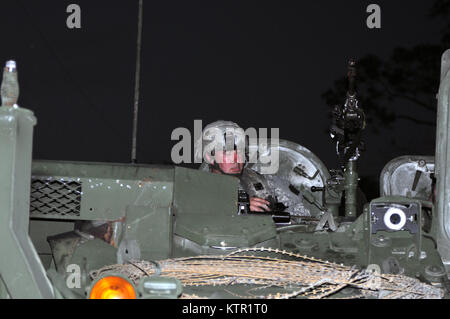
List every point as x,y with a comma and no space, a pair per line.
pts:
102,230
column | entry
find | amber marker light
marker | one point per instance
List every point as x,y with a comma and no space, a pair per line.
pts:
112,287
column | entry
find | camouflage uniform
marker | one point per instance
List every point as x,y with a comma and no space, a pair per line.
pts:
253,183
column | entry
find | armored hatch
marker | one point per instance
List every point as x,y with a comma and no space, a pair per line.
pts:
300,171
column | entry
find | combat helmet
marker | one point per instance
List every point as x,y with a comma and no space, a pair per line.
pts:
220,135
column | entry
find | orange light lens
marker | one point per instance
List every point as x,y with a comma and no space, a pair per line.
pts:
112,287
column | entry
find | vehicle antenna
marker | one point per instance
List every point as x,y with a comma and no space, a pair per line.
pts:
137,81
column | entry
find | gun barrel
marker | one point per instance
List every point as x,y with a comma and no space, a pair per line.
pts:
351,77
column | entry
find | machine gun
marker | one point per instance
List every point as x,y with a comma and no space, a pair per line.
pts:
346,132
348,123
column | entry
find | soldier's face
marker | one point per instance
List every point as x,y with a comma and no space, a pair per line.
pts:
230,162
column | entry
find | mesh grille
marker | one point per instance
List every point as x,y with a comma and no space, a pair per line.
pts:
55,197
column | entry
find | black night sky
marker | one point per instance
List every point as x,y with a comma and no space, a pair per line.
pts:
262,64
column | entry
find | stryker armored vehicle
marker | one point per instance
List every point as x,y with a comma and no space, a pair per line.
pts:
102,230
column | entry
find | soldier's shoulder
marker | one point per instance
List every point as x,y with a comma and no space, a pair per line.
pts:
251,172
253,176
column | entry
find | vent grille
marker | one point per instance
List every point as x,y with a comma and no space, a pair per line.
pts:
55,197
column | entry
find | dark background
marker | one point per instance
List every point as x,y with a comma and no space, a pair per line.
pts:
262,64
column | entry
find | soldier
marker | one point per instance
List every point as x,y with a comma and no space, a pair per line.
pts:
223,147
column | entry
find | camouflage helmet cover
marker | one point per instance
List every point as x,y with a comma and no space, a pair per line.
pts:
220,135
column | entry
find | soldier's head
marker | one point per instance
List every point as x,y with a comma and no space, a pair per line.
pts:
223,146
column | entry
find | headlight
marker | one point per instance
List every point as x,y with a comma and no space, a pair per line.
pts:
112,287
394,218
